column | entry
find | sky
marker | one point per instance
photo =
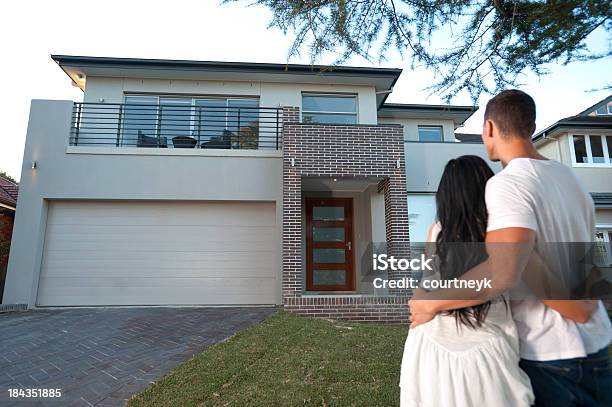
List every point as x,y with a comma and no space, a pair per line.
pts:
206,30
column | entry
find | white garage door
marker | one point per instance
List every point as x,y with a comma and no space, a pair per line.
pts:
156,253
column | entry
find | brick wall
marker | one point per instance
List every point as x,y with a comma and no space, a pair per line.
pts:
7,218
350,152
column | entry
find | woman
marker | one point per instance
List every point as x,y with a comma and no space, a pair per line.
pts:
467,357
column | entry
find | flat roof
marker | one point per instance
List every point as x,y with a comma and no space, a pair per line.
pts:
79,67
228,66
458,114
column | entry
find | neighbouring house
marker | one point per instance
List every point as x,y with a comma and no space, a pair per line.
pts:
8,204
225,183
584,142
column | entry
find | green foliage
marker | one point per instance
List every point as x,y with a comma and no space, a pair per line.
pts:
5,175
5,247
474,45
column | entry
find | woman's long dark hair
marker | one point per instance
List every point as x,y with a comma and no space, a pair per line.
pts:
462,214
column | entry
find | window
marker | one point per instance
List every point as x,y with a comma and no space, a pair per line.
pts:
597,154
604,110
421,214
176,117
139,119
603,249
333,109
591,150
430,133
219,118
213,122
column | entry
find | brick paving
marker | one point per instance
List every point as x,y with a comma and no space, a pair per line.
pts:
102,356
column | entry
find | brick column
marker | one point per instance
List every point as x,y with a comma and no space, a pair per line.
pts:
396,222
292,213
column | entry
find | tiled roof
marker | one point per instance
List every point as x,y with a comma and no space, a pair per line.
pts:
8,192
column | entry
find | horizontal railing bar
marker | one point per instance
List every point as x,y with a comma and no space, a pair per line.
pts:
90,116
187,122
170,108
169,132
216,125
82,137
133,108
103,104
203,140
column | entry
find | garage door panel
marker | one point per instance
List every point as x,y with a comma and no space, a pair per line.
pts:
191,294
232,264
159,238
263,270
159,253
223,284
128,213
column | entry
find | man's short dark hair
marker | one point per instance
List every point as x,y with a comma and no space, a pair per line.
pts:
513,112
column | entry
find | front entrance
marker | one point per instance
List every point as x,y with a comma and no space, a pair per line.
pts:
329,246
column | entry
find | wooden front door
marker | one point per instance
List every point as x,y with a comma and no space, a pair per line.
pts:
329,246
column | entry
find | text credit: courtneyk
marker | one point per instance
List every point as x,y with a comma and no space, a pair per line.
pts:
382,262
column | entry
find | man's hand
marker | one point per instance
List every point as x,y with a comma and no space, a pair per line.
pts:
579,311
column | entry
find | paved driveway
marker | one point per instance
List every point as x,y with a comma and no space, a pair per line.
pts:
101,356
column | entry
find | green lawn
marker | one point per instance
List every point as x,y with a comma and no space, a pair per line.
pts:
289,360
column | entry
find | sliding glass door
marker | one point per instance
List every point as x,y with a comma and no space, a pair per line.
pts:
211,122
228,122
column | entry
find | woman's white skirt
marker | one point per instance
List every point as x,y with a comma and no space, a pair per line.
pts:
478,370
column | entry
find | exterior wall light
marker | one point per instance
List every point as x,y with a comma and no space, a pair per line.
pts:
34,164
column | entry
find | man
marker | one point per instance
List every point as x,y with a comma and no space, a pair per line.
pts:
535,204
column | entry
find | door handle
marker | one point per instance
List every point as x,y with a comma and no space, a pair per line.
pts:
349,246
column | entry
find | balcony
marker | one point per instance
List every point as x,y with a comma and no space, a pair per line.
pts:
176,126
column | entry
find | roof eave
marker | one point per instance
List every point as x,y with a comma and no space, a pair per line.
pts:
560,126
383,79
461,113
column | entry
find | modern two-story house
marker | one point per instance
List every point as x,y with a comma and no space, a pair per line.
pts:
584,142
225,183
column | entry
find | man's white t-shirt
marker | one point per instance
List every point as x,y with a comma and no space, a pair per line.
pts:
546,196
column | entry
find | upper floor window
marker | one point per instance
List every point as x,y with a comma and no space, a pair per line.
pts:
604,109
591,150
430,133
603,247
329,108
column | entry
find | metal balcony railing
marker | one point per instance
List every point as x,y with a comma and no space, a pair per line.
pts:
176,126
